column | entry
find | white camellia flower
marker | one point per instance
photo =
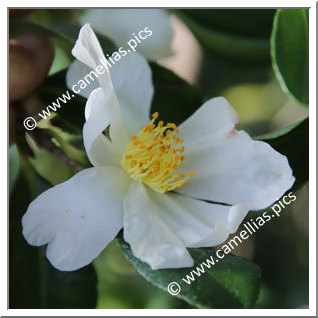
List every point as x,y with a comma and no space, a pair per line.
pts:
138,163
121,25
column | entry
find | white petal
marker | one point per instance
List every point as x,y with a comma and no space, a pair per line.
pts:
76,72
77,218
132,80
99,149
229,166
198,223
88,51
214,120
121,25
151,240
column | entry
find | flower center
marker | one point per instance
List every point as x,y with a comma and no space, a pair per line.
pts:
154,154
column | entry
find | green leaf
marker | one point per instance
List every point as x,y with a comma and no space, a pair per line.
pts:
289,51
231,34
254,23
14,165
47,165
293,142
64,140
24,266
71,290
61,61
233,282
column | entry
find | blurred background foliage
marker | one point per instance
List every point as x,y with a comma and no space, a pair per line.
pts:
258,60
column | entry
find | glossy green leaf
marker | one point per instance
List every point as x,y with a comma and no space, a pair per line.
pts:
289,51
47,165
14,165
233,282
293,142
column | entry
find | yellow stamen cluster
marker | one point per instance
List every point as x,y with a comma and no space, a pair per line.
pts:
154,154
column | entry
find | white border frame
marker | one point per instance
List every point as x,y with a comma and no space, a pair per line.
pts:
312,164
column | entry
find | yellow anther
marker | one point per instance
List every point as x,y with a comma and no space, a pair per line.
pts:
181,149
182,183
150,156
154,143
162,148
165,188
133,163
160,124
175,177
155,115
191,174
171,125
128,156
133,138
172,150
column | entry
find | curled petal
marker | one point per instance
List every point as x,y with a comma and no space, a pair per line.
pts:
89,52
